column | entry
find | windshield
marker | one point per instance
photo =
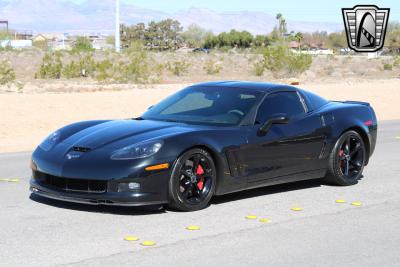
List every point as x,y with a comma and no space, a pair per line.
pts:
213,105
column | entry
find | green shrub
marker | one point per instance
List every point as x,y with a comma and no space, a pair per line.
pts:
7,73
135,68
396,61
212,67
71,70
281,60
259,68
104,70
87,65
51,66
82,44
387,66
178,67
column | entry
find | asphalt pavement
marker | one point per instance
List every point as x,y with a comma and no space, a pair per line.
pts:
40,232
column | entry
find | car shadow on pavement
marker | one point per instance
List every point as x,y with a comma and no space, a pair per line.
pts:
118,210
267,190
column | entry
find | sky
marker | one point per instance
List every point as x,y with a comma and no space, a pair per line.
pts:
304,10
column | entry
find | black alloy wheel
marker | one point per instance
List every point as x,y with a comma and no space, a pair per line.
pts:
193,181
347,159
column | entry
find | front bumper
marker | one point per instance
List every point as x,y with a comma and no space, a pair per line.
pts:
107,198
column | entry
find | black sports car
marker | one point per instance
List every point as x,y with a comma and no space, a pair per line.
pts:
208,139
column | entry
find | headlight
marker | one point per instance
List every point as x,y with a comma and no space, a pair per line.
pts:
137,151
50,141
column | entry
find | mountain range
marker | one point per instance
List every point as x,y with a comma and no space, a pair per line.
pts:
99,15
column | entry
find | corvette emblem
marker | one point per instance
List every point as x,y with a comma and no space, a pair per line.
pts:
73,155
365,27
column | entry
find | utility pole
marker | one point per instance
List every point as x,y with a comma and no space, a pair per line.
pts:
117,31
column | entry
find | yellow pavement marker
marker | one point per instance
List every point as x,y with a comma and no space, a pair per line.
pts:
265,220
148,243
193,227
251,217
14,180
356,203
297,209
4,180
131,238
398,137
340,201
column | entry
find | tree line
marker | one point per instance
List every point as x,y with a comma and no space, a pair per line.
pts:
169,34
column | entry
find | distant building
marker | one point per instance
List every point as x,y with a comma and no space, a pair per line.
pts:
100,43
39,38
16,43
294,45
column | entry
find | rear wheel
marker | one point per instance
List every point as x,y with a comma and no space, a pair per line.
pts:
347,160
193,180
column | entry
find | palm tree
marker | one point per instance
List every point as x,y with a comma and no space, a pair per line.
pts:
299,36
279,18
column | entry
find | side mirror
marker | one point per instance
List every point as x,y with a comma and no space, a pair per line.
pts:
279,119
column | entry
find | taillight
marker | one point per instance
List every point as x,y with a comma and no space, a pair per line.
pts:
368,123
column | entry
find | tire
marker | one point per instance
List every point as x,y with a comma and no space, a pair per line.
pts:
347,160
190,187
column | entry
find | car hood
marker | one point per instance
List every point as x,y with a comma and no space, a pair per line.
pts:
120,133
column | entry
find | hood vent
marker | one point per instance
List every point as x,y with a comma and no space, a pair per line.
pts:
80,149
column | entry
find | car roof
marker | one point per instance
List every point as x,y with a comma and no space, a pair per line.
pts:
258,86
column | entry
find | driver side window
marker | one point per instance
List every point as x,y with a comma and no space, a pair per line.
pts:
277,103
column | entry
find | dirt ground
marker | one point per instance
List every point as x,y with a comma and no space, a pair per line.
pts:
27,118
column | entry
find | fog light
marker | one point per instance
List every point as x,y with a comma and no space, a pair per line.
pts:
133,186
122,187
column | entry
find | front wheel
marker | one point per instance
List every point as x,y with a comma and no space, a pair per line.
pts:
347,160
192,181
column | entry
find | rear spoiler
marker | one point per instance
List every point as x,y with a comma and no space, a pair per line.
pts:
354,102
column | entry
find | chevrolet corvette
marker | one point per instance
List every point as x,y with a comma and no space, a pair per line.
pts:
208,139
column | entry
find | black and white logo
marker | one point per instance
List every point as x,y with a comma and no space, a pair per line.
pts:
365,27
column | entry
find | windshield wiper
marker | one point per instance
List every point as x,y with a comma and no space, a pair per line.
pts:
138,119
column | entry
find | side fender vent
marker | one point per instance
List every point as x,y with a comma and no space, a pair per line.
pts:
81,149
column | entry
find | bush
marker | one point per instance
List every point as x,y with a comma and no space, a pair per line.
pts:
7,73
178,67
387,66
82,44
104,70
87,65
135,68
396,61
51,67
71,70
259,68
212,67
280,60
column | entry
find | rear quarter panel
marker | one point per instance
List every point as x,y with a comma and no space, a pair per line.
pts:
352,115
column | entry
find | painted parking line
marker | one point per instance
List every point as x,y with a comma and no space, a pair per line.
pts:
356,203
193,227
131,238
11,180
148,243
297,209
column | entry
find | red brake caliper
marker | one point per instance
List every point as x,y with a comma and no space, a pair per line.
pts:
341,153
200,172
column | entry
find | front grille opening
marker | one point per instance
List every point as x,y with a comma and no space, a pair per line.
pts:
70,184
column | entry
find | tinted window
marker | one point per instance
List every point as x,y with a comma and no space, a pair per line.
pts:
315,100
206,105
278,103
